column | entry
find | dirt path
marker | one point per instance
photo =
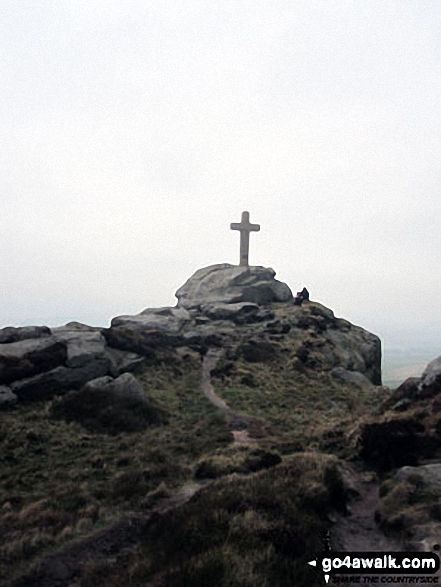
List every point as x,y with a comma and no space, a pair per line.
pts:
359,531
356,532
62,569
208,364
238,423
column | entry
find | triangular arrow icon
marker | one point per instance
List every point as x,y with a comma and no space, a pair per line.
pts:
312,563
327,578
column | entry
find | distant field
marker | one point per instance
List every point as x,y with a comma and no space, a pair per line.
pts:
401,363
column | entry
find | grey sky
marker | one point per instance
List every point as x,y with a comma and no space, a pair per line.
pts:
135,131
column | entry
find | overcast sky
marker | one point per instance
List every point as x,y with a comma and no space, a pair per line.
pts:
133,132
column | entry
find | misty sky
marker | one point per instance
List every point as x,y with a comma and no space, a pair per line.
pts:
134,132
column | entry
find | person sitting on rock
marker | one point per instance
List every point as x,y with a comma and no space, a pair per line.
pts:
301,296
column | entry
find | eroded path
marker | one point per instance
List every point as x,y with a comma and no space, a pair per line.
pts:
208,364
238,423
359,531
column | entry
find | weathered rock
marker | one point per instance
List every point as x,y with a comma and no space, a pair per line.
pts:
166,319
29,357
110,405
7,397
429,474
353,378
232,284
404,396
84,345
58,381
430,383
125,384
153,345
123,361
239,313
76,326
327,342
396,442
408,389
356,349
12,334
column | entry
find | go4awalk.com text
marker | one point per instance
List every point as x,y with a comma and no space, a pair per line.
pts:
416,568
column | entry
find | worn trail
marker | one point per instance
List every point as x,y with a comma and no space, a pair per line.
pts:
238,423
359,531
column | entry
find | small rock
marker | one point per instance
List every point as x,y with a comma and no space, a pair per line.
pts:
7,397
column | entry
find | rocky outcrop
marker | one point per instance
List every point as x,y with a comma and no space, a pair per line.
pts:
162,319
110,405
326,342
429,475
239,313
393,442
12,334
57,381
84,346
26,358
408,427
55,361
430,383
232,284
242,308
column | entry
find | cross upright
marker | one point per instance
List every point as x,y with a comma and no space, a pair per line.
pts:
245,227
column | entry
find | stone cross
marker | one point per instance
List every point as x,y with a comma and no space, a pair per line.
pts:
245,228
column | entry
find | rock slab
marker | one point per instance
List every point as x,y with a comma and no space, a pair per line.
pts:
231,284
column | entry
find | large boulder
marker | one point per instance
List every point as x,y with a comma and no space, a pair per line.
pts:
163,319
239,313
430,383
110,405
12,334
428,474
326,342
231,284
29,357
396,441
84,345
58,381
50,364
355,349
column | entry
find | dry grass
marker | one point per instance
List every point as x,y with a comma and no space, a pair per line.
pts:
242,531
59,481
257,524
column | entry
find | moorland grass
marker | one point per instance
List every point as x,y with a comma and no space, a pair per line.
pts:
241,531
58,480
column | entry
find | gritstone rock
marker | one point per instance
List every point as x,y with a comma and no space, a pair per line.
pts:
29,357
430,383
12,334
231,284
352,378
429,474
110,405
163,319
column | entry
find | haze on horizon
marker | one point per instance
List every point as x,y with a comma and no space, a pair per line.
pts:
134,133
